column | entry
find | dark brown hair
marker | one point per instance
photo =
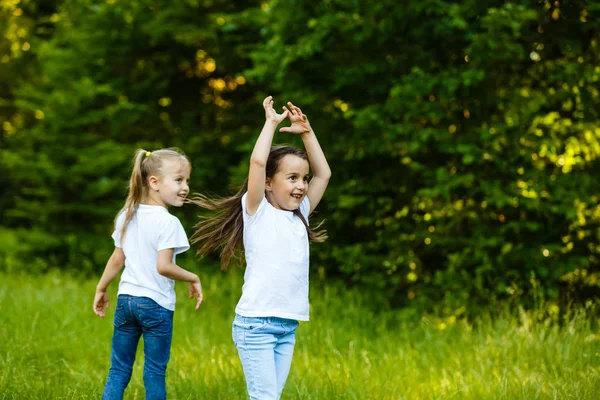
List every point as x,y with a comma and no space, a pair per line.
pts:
145,164
224,229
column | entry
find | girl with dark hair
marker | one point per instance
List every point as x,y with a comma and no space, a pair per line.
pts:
268,217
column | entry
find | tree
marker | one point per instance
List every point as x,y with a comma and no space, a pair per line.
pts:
464,146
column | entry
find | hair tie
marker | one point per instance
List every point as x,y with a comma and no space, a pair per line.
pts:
148,154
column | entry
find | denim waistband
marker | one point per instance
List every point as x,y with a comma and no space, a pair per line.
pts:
270,320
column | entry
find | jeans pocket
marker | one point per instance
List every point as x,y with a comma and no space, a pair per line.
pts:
256,324
151,316
251,324
120,317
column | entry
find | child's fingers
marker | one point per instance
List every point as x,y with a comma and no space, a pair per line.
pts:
296,109
292,107
267,101
98,310
199,300
100,303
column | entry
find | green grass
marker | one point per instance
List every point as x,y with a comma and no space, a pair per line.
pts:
52,346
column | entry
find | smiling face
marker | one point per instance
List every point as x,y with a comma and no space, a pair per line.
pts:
171,188
288,186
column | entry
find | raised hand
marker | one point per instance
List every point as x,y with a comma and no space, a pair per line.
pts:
299,121
271,114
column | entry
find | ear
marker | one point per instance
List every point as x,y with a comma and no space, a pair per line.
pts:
153,182
268,186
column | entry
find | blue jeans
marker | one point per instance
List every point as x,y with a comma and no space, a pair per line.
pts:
134,317
265,346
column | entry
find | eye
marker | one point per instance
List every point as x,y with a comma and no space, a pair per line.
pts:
306,179
293,178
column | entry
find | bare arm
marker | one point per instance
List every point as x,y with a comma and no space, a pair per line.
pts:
316,157
260,154
320,167
113,266
166,268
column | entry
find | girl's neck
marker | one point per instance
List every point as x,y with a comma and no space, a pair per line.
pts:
151,201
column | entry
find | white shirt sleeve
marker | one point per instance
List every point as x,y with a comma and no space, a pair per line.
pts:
172,236
116,235
261,206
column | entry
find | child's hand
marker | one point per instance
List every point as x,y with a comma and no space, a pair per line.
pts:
100,303
300,122
270,113
196,291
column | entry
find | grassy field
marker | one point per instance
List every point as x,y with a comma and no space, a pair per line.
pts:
52,346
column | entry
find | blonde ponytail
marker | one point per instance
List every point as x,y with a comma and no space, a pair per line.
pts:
145,164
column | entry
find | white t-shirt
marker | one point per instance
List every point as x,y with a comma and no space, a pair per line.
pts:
151,229
276,277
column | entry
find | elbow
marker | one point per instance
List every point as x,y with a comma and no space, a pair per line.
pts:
325,175
258,162
162,268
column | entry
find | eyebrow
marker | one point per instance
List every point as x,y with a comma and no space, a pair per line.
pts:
294,173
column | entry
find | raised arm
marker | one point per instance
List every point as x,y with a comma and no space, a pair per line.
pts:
316,157
260,154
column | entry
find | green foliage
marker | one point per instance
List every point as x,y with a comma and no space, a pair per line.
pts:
464,145
113,76
463,137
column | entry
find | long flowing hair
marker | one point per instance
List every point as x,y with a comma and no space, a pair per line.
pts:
145,164
223,229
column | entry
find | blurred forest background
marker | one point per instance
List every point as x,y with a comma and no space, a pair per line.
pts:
463,137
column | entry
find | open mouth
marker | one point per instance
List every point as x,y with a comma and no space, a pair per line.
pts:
297,196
